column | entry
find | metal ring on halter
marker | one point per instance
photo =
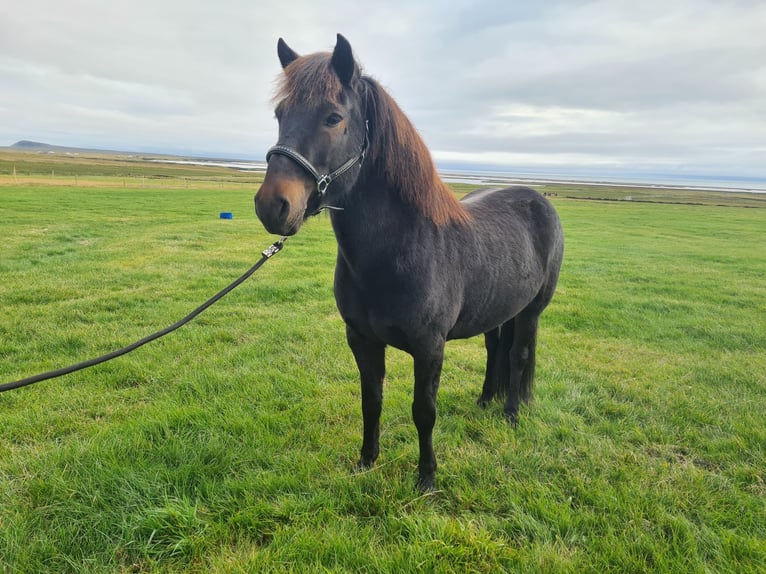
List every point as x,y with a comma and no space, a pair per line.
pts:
322,184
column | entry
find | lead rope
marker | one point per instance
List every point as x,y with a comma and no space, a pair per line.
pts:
267,254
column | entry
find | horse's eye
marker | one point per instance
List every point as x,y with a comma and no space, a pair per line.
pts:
333,120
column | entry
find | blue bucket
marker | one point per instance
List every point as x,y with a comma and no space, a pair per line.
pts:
227,215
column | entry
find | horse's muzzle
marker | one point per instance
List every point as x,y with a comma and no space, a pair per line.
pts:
281,205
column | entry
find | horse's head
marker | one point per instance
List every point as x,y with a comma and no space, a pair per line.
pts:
322,141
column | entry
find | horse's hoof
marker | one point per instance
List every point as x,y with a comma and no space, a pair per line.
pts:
362,466
425,484
512,419
483,401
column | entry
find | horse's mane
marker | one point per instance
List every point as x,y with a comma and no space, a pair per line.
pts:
401,157
397,152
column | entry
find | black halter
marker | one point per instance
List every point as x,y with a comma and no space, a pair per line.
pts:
323,181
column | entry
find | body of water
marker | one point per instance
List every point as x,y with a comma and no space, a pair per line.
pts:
481,176
707,183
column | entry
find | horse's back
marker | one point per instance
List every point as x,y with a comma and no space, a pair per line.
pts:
503,212
479,194
502,198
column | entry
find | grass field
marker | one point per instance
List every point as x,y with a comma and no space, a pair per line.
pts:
227,446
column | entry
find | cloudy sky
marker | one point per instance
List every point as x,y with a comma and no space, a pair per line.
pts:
663,86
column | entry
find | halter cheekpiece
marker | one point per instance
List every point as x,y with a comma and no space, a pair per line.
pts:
323,181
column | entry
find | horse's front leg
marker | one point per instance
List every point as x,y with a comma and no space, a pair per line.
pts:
428,367
371,360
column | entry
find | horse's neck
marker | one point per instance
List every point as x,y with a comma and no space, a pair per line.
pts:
374,219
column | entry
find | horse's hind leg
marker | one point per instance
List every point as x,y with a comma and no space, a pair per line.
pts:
498,343
522,363
371,360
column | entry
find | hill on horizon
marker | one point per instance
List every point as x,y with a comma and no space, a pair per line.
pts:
28,145
41,147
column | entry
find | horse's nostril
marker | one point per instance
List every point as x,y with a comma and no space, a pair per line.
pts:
284,208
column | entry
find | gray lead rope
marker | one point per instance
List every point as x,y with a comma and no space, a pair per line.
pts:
267,254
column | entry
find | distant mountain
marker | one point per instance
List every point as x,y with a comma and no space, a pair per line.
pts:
26,145
40,147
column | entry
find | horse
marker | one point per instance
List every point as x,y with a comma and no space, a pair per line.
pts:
415,266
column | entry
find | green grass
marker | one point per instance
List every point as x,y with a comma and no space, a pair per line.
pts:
227,446
658,195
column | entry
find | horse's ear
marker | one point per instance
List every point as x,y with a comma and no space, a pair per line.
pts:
343,61
286,54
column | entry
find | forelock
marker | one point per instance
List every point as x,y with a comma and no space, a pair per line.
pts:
309,80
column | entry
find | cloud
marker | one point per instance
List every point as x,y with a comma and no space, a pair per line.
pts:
602,82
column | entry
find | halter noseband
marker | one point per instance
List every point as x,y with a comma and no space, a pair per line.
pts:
323,181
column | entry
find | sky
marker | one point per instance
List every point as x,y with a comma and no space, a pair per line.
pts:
654,86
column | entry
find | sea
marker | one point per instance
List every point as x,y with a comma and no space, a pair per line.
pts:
504,176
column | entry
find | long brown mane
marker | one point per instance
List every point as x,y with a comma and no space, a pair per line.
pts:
397,152
400,155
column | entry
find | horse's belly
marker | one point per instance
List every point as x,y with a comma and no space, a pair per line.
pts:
466,329
480,315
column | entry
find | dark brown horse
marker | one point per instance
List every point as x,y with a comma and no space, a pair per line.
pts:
415,266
